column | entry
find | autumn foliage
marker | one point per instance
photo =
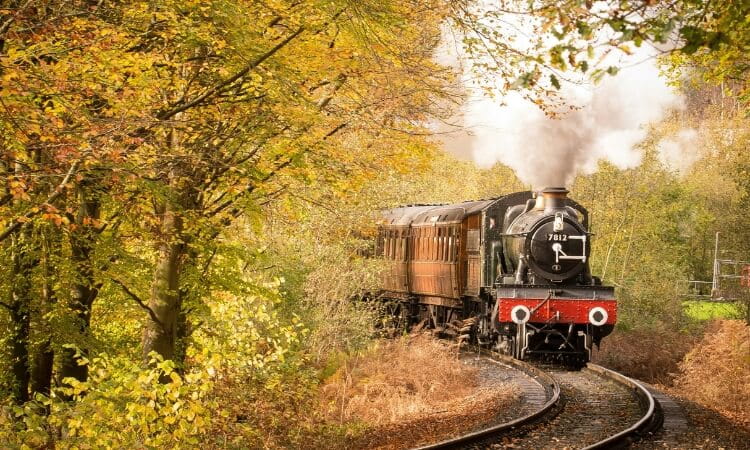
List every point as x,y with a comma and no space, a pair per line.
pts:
186,192
144,145
716,373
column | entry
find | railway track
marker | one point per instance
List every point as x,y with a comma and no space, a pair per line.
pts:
592,408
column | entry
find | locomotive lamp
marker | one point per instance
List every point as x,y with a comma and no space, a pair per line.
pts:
598,316
520,314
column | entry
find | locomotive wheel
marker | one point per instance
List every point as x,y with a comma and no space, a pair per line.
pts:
505,346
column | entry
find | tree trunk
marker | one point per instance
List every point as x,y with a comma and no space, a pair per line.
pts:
19,316
165,298
41,369
85,289
41,373
182,335
20,308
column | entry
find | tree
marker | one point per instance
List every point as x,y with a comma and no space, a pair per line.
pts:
157,125
560,37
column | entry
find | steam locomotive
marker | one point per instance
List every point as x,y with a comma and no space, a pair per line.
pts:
511,273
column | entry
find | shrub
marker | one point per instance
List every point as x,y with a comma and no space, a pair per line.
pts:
120,405
716,373
397,379
650,354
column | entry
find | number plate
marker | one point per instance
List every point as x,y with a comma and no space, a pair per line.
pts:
557,237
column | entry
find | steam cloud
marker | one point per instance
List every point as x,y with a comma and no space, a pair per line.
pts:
611,122
679,150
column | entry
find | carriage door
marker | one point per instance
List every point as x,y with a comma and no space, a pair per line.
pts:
473,256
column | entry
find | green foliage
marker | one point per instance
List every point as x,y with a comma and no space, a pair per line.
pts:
558,37
703,311
120,405
248,382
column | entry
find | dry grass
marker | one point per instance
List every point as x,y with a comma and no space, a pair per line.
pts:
410,391
652,355
400,379
716,373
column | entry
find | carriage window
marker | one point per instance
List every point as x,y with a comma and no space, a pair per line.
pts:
452,244
433,244
442,242
427,249
446,245
421,244
456,244
404,244
472,240
415,244
439,244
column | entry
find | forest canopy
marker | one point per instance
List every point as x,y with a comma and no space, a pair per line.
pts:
189,187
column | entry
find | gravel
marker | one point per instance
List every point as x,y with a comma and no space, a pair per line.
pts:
688,425
594,408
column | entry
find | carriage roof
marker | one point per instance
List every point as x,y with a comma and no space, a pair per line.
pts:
434,214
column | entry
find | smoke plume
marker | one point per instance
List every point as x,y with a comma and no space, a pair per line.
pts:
611,121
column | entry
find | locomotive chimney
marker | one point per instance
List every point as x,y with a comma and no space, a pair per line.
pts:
538,200
553,198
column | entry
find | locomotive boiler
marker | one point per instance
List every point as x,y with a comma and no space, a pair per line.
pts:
511,272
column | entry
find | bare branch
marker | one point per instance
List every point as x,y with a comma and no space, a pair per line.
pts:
217,88
6,26
140,302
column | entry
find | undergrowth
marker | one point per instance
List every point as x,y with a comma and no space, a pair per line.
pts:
396,380
650,354
716,373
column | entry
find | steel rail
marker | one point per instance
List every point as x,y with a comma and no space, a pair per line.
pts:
551,387
651,420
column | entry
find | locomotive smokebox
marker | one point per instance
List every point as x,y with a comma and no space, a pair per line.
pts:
548,240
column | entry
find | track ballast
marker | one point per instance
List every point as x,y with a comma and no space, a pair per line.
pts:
591,408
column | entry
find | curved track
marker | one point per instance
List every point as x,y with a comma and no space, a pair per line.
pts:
548,408
592,408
